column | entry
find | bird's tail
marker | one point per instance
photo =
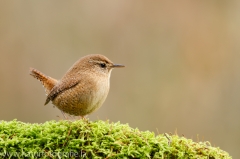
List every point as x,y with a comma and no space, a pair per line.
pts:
47,82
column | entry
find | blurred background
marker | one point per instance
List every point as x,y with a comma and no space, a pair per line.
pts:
182,58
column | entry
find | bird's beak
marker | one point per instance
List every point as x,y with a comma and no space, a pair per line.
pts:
117,66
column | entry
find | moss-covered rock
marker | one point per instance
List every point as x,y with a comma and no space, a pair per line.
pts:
99,139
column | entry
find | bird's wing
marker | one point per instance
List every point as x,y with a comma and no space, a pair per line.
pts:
61,87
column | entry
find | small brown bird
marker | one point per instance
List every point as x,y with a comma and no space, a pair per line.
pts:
84,87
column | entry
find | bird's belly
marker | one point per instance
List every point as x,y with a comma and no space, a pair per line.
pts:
84,102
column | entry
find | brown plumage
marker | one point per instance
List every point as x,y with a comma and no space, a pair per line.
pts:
84,87
48,82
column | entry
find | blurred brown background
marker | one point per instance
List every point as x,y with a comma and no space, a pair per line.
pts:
182,58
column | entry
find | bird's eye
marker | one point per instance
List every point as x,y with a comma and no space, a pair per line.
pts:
103,65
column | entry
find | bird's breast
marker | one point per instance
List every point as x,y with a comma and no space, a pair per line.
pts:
100,92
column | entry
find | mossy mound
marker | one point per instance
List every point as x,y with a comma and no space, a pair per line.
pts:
99,139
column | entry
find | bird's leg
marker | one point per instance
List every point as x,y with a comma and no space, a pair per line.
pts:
82,118
64,115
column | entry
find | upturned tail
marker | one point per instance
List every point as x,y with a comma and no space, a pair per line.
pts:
47,82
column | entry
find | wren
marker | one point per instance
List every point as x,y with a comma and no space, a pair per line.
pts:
83,88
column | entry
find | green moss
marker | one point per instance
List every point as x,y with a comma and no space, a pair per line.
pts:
99,139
